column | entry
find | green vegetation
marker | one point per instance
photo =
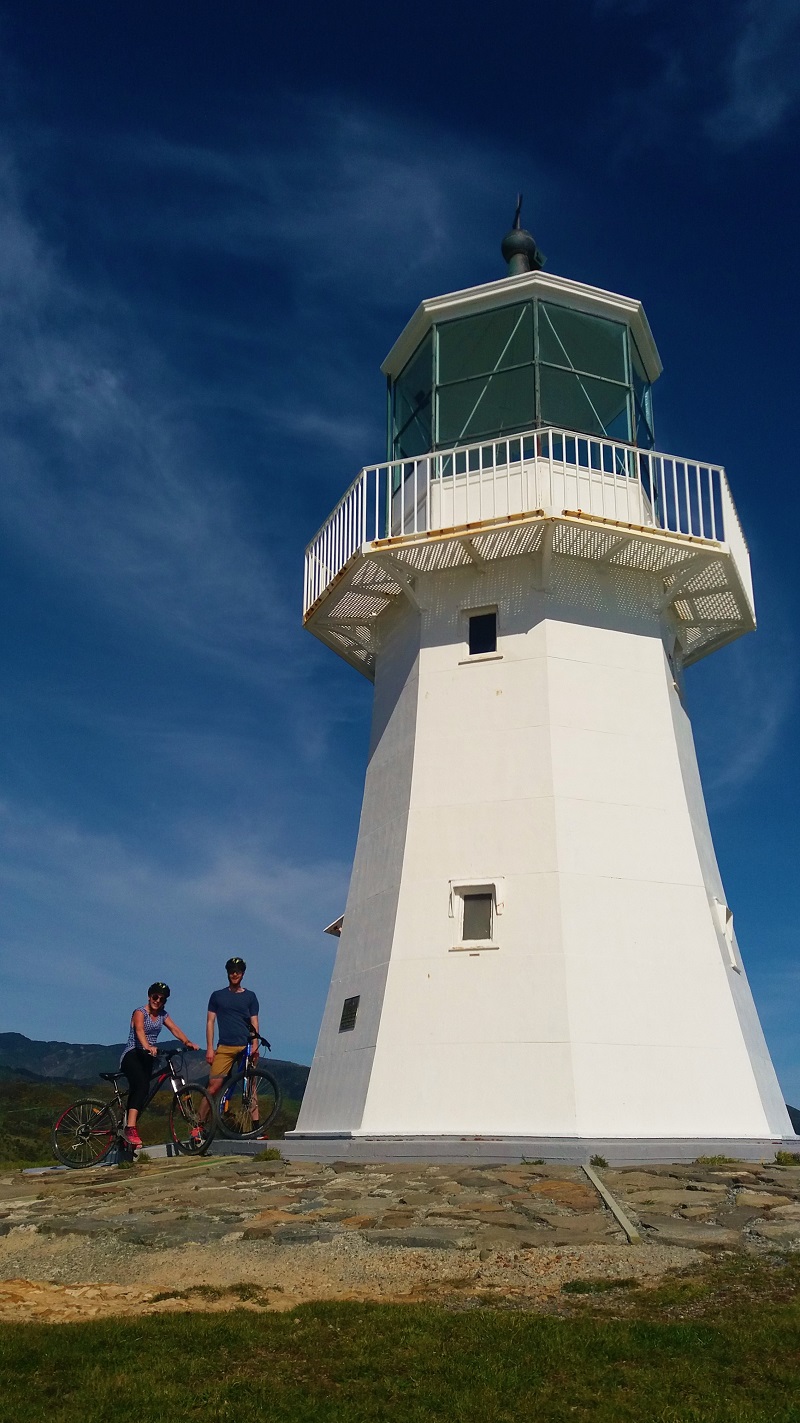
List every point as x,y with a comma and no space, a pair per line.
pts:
270,1154
787,1158
719,1345
597,1161
27,1109
26,1114
714,1161
598,1287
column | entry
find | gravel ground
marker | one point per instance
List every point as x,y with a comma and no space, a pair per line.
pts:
220,1234
72,1278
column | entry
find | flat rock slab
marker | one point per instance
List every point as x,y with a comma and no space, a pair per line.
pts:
779,1231
210,1209
692,1233
421,1238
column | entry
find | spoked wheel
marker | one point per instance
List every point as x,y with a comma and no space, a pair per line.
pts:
249,1105
85,1132
192,1126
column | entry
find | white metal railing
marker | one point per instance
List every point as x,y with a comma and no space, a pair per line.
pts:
556,471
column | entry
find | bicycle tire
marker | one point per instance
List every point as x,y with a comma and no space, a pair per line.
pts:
184,1117
85,1132
234,1114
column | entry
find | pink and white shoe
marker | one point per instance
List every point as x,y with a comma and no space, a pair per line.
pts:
132,1137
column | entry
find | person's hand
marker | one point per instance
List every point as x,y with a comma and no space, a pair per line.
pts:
195,1047
210,1055
153,1051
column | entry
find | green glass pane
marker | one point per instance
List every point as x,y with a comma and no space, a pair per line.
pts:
577,402
582,343
480,345
644,428
486,407
644,401
637,364
416,438
413,403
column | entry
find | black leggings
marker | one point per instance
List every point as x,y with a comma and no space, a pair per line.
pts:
138,1068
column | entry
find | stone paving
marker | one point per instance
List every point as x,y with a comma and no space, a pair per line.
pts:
369,1225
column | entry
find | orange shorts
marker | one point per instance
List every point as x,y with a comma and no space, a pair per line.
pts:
225,1059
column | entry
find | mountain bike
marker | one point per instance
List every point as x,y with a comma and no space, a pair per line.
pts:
86,1132
249,1099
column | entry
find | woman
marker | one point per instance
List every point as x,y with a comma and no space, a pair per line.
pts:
140,1050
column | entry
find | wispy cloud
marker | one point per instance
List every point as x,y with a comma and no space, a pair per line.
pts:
746,712
356,201
104,474
67,891
729,75
761,74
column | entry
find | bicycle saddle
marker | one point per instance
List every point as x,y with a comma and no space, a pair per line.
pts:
110,1076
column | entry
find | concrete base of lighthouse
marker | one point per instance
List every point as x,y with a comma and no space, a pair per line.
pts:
610,1014
617,1151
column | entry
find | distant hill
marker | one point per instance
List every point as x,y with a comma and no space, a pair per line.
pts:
29,1060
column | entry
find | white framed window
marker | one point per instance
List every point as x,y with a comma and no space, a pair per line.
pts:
480,634
475,906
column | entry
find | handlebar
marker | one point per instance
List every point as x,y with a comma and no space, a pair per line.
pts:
263,1042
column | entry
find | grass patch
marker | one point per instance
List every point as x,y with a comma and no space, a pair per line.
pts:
597,1161
787,1158
714,1161
598,1287
719,1347
270,1154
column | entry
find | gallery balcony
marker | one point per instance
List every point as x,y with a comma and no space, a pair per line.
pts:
549,494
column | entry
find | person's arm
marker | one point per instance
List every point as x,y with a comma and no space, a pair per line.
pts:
138,1028
211,1019
172,1027
254,1035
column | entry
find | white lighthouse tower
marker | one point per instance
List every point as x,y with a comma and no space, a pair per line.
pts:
537,955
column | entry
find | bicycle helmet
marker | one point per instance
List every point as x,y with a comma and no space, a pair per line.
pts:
235,966
159,988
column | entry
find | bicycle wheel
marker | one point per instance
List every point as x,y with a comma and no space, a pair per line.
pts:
191,1130
85,1132
248,1105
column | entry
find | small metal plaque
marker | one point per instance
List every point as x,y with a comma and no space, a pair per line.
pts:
347,1021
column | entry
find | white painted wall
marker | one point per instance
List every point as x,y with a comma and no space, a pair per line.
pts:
563,770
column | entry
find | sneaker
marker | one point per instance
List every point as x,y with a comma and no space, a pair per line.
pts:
132,1137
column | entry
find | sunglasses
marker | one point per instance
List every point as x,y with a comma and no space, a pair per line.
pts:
158,997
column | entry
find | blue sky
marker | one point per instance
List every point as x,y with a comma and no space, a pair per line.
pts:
214,221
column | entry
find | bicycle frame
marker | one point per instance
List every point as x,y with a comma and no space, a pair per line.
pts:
167,1073
90,1131
239,1066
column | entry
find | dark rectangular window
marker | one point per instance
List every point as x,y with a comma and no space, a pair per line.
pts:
347,1021
477,916
482,633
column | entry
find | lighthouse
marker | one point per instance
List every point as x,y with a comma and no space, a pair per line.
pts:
537,956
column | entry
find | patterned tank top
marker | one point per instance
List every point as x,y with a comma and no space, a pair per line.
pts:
152,1028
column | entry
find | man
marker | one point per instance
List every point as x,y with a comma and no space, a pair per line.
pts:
234,1011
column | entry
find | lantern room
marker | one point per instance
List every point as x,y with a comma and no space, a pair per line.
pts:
526,352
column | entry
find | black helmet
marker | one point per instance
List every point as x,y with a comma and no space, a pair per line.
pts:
235,966
159,988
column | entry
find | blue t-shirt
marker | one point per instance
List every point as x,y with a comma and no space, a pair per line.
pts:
234,1011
